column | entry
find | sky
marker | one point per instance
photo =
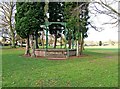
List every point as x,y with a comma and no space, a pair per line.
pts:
110,32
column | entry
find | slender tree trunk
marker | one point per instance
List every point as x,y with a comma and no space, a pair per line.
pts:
77,46
55,41
69,42
65,44
36,39
43,39
27,51
81,47
61,42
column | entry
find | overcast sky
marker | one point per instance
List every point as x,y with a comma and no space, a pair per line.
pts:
110,32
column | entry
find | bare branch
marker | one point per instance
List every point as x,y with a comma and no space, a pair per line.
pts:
112,9
99,29
7,18
105,7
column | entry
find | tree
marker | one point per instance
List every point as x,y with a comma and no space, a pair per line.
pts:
40,16
56,14
100,43
29,17
21,25
7,10
77,22
83,24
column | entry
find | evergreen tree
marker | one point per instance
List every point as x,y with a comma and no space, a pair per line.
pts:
83,24
29,17
76,16
21,24
56,14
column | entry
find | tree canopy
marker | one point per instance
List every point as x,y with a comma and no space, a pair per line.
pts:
29,17
56,14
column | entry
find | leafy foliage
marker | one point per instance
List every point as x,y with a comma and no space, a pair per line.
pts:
76,19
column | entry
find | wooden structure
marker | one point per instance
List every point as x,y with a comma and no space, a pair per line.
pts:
55,53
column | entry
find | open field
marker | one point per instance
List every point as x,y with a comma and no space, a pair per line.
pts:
97,68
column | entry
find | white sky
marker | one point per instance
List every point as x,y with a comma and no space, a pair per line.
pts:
109,32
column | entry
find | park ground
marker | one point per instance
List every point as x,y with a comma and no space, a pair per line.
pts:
98,67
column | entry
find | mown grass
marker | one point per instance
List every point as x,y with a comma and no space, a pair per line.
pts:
97,68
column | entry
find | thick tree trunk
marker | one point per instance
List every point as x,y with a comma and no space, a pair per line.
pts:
32,46
13,37
13,41
12,29
55,41
27,51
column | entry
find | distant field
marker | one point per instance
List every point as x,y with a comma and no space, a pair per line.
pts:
97,68
102,46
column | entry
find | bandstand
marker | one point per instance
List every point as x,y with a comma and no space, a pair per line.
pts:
52,53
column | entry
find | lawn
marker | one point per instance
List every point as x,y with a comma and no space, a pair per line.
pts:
97,68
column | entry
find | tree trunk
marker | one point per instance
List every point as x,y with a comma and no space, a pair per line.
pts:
81,47
77,46
32,46
43,39
13,41
65,44
13,37
55,41
69,42
61,42
36,39
12,30
27,51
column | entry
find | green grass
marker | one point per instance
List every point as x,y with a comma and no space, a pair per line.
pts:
97,68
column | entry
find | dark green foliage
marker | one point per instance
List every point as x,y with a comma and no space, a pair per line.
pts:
20,19
29,17
56,14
